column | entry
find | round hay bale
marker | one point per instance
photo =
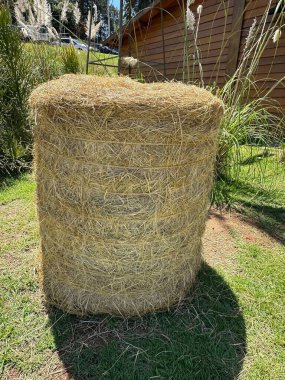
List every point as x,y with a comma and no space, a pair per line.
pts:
123,172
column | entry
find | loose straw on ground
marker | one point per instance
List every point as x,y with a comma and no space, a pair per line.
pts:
123,171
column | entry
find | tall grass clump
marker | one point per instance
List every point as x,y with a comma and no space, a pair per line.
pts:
70,60
16,82
46,61
248,120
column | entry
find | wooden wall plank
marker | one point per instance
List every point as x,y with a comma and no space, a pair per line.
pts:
234,48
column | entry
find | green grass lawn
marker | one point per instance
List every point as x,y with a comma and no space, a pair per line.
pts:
230,327
102,60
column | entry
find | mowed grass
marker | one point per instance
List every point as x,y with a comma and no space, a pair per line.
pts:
230,327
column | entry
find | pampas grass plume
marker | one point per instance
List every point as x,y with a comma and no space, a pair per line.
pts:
277,36
76,13
190,19
131,61
200,9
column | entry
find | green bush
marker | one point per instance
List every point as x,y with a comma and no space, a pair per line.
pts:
16,83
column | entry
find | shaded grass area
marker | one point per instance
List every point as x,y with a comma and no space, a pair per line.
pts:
204,337
230,327
259,192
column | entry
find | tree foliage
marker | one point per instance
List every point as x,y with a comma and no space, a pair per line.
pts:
84,7
132,7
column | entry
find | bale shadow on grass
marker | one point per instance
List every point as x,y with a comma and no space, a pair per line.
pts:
259,209
202,338
270,219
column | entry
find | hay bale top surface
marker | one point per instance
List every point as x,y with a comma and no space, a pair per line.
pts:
93,92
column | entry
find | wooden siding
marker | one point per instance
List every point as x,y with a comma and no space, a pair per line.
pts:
272,63
157,40
213,36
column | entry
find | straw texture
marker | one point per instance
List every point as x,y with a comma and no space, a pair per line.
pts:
123,171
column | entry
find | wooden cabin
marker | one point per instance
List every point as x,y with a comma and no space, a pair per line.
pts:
156,37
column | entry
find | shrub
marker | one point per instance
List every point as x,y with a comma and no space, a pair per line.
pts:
247,120
16,82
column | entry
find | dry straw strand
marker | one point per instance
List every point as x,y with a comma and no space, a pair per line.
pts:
123,171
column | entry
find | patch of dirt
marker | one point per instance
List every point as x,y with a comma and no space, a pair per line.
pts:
218,242
13,374
9,259
221,234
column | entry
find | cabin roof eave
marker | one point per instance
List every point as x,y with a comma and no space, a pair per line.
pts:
145,14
